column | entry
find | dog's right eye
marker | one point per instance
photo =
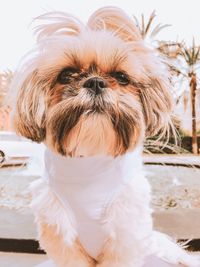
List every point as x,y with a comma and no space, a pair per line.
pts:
67,75
121,77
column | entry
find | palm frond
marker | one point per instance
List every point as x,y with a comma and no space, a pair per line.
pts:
186,53
143,26
193,48
137,23
170,49
196,55
150,21
158,28
146,28
191,55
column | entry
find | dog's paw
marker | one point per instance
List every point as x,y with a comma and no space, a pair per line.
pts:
120,264
190,260
173,253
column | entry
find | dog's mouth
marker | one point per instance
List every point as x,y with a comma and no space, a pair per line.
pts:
90,100
107,112
98,104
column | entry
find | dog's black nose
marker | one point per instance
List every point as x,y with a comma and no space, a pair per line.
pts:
95,84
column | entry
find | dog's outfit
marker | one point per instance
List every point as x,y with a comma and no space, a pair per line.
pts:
87,186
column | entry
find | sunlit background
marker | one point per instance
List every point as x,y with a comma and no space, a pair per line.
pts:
181,17
16,17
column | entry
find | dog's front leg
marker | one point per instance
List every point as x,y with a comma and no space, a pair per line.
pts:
130,224
56,231
62,255
117,254
112,259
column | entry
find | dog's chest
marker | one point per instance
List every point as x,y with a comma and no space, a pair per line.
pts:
87,187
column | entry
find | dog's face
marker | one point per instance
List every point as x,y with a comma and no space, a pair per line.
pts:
93,89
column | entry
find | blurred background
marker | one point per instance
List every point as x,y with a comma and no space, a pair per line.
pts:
172,29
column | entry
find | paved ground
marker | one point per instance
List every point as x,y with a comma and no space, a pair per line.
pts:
176,159
30,260
20,260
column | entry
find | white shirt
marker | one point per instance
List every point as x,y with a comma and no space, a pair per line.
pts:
87,186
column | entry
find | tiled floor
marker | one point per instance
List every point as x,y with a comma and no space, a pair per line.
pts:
20,259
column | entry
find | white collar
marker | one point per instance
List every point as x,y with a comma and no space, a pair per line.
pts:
86,169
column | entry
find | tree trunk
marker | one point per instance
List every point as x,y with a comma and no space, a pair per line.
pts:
193,88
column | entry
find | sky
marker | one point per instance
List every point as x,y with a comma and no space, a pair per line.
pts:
16,36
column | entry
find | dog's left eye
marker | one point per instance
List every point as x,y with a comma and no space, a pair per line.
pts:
66,75
121,77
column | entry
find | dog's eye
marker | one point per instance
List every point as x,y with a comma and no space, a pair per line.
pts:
121,77
67,75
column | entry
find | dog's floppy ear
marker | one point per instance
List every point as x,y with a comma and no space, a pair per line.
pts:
29,110
157,104
115,20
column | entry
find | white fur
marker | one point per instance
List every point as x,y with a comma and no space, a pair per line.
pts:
45,203
128,217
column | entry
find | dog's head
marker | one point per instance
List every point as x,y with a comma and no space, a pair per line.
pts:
91,89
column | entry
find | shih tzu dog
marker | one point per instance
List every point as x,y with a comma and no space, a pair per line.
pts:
92,93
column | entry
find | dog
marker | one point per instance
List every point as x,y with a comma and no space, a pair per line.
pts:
92,93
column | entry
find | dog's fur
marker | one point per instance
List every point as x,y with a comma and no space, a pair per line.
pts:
135,104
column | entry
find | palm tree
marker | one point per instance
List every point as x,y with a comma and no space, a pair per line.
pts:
191,58
185,61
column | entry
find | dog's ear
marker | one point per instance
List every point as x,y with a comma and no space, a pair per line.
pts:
156,98
115,20
29,110
57,23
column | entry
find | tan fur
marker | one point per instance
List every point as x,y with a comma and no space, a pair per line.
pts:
94,130
57,250
116,21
